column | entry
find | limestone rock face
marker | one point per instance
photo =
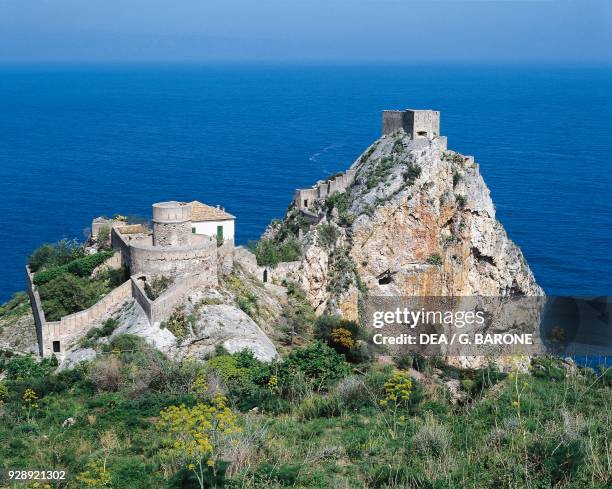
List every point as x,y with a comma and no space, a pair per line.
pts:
226,325
18,334
418,221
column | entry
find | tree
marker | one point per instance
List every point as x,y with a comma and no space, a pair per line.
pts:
195,436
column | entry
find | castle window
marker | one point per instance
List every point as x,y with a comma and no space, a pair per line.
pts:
305,202
421,133
265,276
56,347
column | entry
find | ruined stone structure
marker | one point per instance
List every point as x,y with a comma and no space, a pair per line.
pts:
173,250
303,198
416,123
171,224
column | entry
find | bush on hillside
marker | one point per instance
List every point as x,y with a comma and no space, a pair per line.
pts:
157,286
271,253
17,305
320,365
68,293
81,267
55,255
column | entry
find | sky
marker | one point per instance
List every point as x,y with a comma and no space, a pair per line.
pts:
387,30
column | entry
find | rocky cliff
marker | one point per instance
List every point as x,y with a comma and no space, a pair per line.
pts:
417,221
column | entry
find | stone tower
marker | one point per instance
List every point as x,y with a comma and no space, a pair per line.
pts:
171,223
416,123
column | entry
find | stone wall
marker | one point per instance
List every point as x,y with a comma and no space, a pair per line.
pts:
171,223
282,271
392,121
113,263
199,257
69,328
120,243
225,257
416,123
171,234
100,223
161,309
323,188
37,310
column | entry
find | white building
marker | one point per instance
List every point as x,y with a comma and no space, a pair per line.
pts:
211,221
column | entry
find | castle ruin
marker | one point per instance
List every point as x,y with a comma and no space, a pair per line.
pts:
416,123
172,249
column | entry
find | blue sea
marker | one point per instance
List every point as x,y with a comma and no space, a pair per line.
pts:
82,141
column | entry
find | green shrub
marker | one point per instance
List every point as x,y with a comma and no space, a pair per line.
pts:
435,259
55,255
298,313
104,238
317,406
412,172
282,474
340,202
26,367
342,335
378,172
89,340
342,271
456,178
548,368
320,365
557,460
328,234
270,253
247,302
126,342
178,324
157,286
116,276
461,201
16,306
67,294
81,267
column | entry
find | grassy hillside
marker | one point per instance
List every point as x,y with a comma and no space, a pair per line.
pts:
311,421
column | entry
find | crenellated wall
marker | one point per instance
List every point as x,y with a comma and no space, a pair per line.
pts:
324,188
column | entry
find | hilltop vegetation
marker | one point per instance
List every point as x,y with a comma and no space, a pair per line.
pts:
311,420
63,273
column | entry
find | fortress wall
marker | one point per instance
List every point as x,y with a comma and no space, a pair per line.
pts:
225,257
163,307
37,310
171,234
322,190
71,327
392,121
443,142
113,263
309,194
140,297
247,260
201,257
119,243
98,224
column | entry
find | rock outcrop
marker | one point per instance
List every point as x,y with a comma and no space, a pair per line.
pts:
417,221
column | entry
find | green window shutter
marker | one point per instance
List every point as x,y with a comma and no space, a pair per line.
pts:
192,230
219,232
